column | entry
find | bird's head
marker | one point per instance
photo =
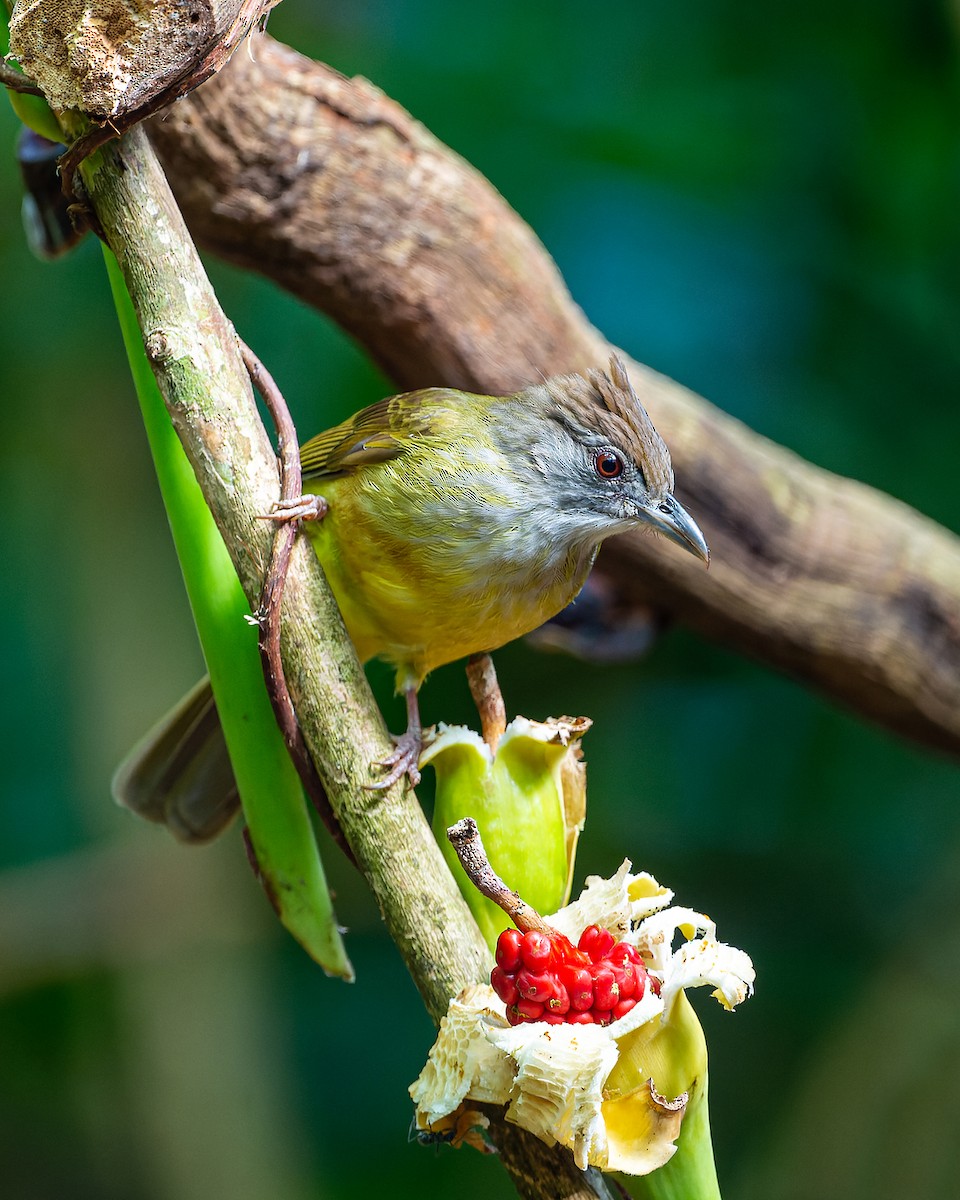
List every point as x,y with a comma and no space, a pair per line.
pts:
606,466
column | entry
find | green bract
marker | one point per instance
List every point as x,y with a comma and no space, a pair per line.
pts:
527,797
287,856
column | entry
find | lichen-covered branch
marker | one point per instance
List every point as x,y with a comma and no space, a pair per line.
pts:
195,356
330,188
196,359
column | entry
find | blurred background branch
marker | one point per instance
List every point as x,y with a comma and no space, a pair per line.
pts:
408,248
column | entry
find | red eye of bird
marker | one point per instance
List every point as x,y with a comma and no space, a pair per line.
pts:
608,464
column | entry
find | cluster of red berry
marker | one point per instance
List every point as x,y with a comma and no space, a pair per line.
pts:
544,977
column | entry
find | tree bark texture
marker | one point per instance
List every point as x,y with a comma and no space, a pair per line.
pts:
283,166
194,354
193,351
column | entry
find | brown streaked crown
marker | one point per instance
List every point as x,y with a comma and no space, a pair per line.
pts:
606,403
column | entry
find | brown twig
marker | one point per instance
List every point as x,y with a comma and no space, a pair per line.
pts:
16,81
465,838
268,612
485,690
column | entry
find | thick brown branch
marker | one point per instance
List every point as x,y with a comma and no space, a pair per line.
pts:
285,167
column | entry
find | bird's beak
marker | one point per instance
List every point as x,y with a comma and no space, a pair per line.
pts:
670,518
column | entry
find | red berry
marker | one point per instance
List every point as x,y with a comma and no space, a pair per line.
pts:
508,950
605,991
579,984
504,985
626,980
588,938
625,953
534,987
544,977
605,942
596,942
535,950
559,1002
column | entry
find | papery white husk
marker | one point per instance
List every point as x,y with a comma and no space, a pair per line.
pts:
552,1077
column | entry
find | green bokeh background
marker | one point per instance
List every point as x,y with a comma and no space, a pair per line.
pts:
761,202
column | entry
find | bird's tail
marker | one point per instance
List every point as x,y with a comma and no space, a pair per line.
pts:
179,774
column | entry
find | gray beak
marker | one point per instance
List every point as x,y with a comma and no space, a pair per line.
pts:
672,520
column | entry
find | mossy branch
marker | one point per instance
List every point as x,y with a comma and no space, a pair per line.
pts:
195,356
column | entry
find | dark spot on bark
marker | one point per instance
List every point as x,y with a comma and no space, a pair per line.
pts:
755,527
933,625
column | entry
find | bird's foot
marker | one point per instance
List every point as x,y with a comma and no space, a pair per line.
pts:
300,508
402,760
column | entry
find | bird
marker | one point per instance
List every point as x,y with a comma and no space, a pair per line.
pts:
447,524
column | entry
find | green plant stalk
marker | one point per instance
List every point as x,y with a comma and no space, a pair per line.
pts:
36,114
270,790
33,111
517,801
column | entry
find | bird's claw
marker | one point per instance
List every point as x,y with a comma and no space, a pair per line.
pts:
300,508
403,760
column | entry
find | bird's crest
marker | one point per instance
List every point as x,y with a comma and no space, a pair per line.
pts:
607,402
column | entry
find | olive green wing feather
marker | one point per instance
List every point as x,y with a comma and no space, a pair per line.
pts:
374,435
179,775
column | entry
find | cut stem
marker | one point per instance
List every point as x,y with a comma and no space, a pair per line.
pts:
465,839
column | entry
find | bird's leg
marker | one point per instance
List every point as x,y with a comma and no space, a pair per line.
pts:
406,752
300,508
488,698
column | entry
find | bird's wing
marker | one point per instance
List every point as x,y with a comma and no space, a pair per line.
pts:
374,435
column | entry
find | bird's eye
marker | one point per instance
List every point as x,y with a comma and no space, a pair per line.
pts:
608,464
